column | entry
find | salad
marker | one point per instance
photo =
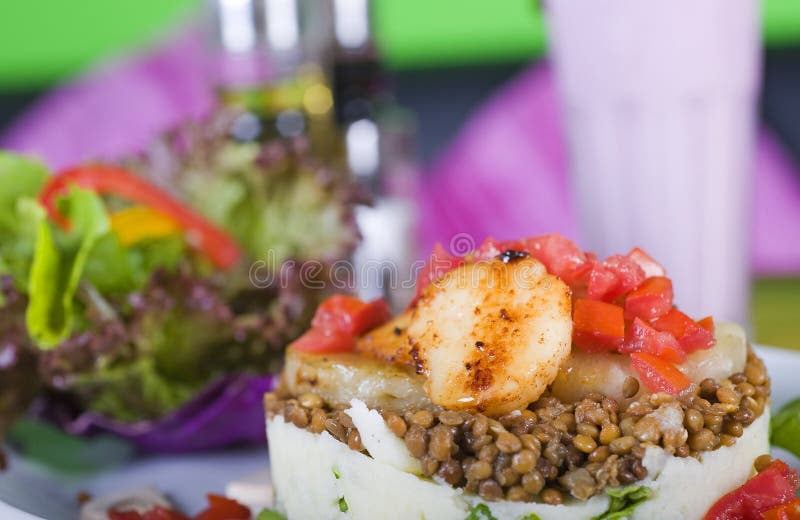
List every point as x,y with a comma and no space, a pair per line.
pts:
130,291
527,380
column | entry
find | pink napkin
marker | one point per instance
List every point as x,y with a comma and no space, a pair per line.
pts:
505,173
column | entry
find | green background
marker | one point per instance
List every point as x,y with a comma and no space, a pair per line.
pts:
46,40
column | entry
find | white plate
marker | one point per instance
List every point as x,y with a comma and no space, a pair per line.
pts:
30,492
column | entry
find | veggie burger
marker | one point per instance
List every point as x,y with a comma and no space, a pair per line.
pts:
527,380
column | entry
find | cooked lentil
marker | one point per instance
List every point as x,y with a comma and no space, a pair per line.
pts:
554,448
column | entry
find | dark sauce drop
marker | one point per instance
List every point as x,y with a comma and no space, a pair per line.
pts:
511,255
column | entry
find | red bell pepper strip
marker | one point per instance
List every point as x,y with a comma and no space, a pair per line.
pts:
212,241
659,375
777,484
597,326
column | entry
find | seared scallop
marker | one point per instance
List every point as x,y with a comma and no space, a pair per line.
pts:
490,336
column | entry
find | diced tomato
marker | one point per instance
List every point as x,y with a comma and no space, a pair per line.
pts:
651,299
324,341
691,336
647,263
439,263
597,326
115,514
707,323
790,511
659,375
223,508
601,282
561,256
774,486
350,315
488,249
162,513
627,273
491,248
641,337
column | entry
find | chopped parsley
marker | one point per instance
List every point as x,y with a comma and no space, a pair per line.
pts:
343,507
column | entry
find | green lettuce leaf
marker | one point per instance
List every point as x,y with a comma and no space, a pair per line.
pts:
133,391
58,262
21,179
785,426
624,501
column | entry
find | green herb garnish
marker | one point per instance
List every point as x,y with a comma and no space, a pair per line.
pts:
480,512
270,514
343,507
624,501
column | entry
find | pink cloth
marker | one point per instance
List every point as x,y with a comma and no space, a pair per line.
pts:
119,107
505,173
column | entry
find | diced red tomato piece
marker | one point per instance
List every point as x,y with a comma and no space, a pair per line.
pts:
597,326
439,263
790,511
641,337
774,486
350,315
651,299
691,336
647,263
627,272
162,513
659,375
488,249
707,323
561,256
601,282
324,341
223,508
114,514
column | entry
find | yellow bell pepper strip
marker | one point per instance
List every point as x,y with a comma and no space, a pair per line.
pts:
138,223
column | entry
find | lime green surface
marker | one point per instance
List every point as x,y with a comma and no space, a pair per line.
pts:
776,311
434,32
46,40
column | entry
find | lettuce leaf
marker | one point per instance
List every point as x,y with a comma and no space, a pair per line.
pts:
133,391
785,426
58,263
624,501
21,179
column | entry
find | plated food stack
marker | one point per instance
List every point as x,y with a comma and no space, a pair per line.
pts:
526,380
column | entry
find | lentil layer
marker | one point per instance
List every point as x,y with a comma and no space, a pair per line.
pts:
553,449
